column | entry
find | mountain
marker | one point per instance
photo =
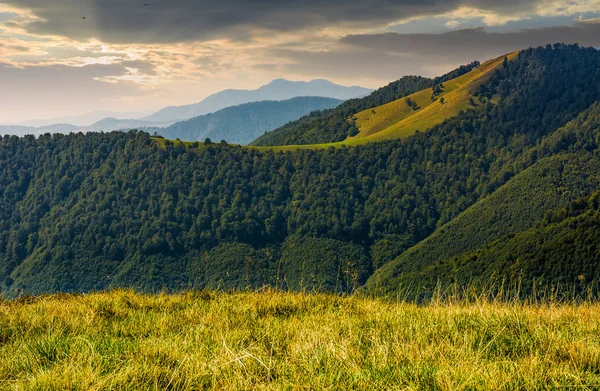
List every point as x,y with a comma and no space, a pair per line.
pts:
342,123
244,123
86,119
18,130
278,89
110,124
82,212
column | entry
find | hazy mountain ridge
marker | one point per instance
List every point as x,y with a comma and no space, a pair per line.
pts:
244,123
279,89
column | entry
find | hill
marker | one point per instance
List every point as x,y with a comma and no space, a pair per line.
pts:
424,109
94,211
551,184
244,123
560,251
279,89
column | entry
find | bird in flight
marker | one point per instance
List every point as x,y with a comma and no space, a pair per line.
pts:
83,17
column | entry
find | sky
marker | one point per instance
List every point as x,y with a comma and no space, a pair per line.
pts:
67,57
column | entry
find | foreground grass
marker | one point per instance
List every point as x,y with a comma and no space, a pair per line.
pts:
122,340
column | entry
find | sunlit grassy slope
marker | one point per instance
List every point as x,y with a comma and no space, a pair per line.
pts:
398,120
273,341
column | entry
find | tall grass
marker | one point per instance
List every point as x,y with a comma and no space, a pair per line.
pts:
273,340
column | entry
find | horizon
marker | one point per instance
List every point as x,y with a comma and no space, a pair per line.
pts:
70,58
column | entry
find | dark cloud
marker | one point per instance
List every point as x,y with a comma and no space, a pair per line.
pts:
475,43
361,63
387,57
161,21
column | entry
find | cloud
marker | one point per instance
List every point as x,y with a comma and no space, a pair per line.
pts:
162,21
475,43
387,57
452,24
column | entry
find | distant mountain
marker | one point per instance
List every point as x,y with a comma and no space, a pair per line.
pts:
244,123
20,131
279,89
85,119
110,124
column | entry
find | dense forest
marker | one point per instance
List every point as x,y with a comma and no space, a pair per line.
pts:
84,212
244,123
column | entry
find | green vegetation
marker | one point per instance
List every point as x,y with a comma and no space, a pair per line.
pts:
337,124
98,211
269,340
551,184
399,120
244,123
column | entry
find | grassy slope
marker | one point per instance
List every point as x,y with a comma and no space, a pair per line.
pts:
550,184
268,340
397,120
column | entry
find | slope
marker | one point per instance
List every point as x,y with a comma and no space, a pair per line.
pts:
398,119
550,184
560,251
244,123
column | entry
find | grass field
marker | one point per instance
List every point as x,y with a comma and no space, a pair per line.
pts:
270,340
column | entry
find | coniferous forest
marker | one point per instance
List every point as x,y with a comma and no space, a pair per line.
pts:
507,189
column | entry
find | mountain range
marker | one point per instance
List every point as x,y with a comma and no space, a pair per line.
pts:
485,179
279,89
244,123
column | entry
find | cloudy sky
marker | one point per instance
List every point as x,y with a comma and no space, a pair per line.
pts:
64,57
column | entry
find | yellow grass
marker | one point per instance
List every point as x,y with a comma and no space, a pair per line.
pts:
272,341
397,120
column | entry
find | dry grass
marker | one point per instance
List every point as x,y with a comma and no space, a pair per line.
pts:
270,340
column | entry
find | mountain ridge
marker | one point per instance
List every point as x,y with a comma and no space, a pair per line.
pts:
243,123
278,89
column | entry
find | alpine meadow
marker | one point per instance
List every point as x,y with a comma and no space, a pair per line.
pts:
436,233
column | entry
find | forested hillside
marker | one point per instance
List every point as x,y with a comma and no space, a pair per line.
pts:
244,123
554,183
85,212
